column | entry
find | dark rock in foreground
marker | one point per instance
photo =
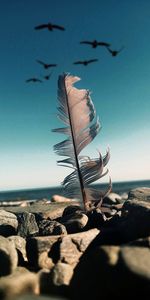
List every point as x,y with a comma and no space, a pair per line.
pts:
112,272
21,281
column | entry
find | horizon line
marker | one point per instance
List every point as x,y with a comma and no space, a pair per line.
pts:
60,186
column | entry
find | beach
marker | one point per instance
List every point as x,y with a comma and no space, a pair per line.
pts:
56,248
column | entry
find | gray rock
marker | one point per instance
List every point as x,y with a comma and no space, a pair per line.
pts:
27,225
47,227
8,223
136,215
142,194
20,245
72,246
75,222
39,249
51,210
132,224
48,250
8,256
112,198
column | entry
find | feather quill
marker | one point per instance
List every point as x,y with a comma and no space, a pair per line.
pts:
77,112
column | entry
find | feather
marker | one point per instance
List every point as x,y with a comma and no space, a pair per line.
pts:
77,112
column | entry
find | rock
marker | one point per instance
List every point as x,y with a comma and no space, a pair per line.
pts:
41,201
36,246
8,256
96,218
58,198
57,281
8,223
74,222
108,210
94,276
143,242
18,283
117,207
20,245
112,198
47,227
72,246
136,261
124,196
142,194
70,209
44,261
61,274
112,272
27,225
132,224
36,297
136,214
46,210
67,249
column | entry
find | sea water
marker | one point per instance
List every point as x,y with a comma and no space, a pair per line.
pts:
47,193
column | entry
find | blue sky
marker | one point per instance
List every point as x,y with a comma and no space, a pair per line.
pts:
120,85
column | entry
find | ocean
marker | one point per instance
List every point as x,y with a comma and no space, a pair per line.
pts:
47,193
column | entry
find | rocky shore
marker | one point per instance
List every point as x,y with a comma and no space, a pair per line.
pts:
54,250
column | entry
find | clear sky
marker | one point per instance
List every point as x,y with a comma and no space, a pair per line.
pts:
120,85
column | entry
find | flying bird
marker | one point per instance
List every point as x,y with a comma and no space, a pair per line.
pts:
95,43
33,80
47,77
85,62
49,26
46,66
115,52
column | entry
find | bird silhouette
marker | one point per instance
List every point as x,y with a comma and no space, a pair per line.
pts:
95,43
49,26
46,66
85,62
115,52
33,80
48,76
